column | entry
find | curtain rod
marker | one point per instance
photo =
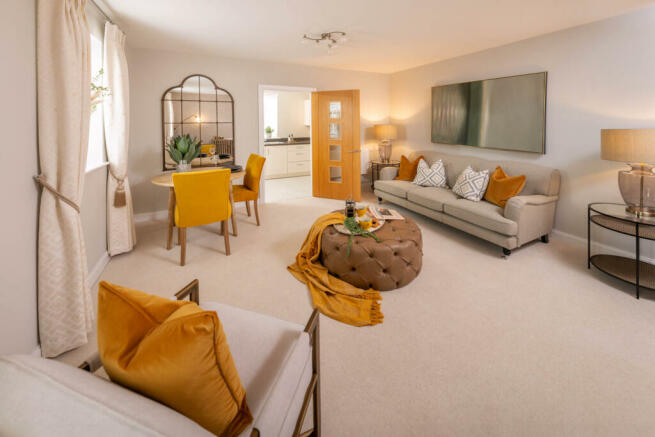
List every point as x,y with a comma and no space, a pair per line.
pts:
101,11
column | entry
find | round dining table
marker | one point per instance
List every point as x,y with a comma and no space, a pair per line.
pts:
165,179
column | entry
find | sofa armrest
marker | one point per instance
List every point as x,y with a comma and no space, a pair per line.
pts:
534,215
388,173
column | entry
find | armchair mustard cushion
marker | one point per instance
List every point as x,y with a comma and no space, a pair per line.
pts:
250,188
173,352
202,197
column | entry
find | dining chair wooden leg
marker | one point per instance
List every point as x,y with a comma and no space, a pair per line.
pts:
222,228
248,207
256,211
171,217
182,236
226,236
234,217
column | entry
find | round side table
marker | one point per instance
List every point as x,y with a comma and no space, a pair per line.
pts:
614,217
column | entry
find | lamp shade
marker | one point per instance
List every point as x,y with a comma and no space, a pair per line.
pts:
628,145
386,132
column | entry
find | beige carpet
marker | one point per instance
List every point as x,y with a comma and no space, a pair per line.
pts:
477,345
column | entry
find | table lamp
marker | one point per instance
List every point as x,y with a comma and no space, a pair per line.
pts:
385,133
635,147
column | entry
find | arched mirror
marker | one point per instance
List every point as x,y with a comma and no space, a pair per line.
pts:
200,108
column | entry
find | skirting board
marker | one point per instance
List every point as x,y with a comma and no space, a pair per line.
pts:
603,248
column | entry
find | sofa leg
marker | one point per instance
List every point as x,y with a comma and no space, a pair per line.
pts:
506,252
379,200
545,239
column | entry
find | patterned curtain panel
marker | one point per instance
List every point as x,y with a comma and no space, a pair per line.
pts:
64,103
121,235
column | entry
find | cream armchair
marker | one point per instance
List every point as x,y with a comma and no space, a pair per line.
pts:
278,363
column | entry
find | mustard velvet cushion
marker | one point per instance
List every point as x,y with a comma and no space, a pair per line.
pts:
502,187
407,170
172,352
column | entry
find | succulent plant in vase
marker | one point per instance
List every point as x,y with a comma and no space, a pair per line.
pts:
182,149
269,132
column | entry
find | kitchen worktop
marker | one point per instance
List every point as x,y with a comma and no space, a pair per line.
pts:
284,142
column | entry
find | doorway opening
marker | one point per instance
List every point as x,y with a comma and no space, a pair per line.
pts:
285,140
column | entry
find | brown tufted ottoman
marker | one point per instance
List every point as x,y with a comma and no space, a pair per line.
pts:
390,264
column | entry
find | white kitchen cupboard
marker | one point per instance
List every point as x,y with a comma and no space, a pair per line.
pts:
287,161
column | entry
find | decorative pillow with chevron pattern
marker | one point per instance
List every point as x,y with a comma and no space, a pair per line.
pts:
472,184
434,176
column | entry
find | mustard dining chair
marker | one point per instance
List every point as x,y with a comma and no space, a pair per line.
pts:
203,197
250,188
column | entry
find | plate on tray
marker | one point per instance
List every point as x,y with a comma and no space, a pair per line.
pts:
342,229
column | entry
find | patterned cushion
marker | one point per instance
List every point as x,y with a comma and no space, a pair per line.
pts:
434,176
471,184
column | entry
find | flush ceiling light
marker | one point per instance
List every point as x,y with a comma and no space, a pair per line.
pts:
330,39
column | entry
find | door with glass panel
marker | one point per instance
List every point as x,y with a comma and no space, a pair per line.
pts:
335,145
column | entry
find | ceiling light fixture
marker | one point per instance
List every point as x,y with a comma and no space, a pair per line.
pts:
331,39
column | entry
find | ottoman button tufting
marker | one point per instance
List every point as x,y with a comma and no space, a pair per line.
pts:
392,255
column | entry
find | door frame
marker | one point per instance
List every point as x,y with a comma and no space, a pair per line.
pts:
260,104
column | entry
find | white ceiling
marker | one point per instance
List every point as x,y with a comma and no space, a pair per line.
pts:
384,35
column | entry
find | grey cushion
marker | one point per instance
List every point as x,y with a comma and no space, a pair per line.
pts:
483,213
430,197
397,188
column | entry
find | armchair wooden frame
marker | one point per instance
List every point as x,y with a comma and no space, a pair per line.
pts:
313,392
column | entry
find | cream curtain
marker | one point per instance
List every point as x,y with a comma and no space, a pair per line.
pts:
64,103
121,235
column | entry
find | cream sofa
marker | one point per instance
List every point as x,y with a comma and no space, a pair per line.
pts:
525,218
277,362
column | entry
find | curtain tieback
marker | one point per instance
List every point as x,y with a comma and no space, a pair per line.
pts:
120,199
41,180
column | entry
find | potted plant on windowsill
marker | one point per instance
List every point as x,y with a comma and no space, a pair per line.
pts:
269,132
182,149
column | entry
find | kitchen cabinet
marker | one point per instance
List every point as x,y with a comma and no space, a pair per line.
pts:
287,161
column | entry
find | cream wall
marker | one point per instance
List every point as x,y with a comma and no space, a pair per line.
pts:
153,71
18,221
291,114
600,75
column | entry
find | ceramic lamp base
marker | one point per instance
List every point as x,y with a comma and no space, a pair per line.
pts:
384,150
637,187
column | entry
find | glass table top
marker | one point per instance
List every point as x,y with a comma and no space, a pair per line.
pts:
617,211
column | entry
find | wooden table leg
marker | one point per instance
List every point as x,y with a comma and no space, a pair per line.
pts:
234,219
171,217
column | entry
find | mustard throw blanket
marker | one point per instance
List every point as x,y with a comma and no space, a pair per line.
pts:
332,296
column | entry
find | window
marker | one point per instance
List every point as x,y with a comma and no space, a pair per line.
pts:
96,152
270,112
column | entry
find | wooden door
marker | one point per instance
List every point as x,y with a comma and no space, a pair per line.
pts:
335,145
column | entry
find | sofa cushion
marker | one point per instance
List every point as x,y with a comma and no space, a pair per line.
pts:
173,352
407,169
483,213
42,397
395,187
272,356
430,197
539,179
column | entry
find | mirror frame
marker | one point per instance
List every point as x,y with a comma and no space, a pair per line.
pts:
163,125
